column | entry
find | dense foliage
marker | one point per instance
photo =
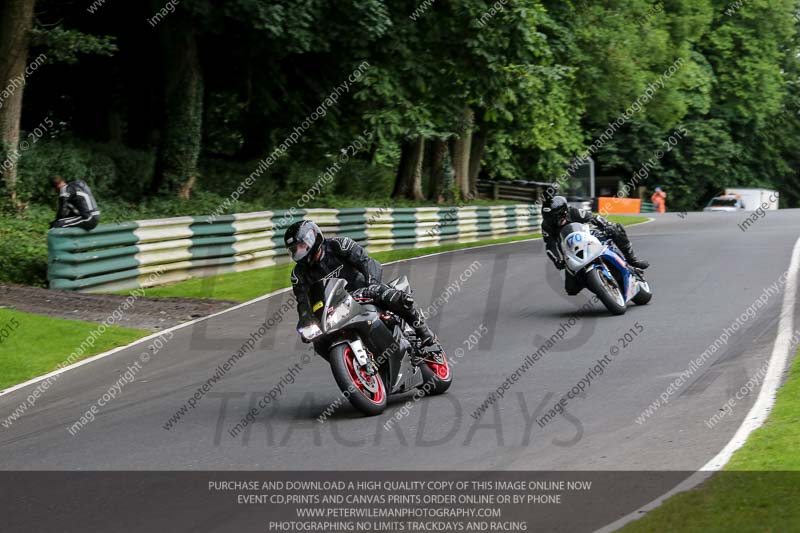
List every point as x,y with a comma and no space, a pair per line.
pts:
158,98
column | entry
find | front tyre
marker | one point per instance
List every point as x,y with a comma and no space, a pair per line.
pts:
607,290
366,392
644,295
436,373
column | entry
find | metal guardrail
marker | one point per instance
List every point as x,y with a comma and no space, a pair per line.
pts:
125,256
648,207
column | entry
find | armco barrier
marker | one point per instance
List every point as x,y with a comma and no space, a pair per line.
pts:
647,207
154,252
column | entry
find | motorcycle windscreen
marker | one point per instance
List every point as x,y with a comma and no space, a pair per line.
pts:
572,228
339,305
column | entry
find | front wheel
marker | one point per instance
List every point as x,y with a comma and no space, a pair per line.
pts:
644,295
607,290
364,389
436,374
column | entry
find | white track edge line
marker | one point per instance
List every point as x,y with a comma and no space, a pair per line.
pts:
755,418
138,341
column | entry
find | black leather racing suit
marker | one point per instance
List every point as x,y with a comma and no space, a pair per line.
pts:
551,229
344,258
77,207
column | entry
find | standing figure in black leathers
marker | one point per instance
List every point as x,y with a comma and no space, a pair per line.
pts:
558,214
319,258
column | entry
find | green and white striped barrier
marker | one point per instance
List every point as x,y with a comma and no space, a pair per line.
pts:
155,252
647,207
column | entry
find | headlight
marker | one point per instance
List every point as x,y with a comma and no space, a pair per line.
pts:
310,332
338,314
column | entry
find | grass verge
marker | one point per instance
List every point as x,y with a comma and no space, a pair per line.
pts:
758,490
243,286
33,345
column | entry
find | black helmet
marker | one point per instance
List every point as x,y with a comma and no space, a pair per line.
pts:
303,240
557,208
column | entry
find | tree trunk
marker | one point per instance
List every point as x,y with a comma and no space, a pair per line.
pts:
436,184
462,147
416,186
181,131
16,21
409,173
475,159
404,170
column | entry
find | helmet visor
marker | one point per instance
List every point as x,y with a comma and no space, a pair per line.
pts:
302,246
299,251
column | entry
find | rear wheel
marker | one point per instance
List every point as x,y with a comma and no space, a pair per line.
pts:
607,290
436,374
364,389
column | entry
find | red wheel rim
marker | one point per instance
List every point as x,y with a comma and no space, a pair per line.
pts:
442,370
377,396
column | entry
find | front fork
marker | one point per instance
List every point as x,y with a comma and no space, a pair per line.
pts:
363,357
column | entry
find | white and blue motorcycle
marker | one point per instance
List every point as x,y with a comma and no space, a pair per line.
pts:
592,258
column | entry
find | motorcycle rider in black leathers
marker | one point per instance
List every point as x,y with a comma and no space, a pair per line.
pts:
77,207
559,213
319,258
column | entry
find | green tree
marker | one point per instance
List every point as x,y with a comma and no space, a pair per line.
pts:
16,22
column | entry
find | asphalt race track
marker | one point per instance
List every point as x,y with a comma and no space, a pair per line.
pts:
706,272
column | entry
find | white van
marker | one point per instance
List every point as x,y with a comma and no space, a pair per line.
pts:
744,200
